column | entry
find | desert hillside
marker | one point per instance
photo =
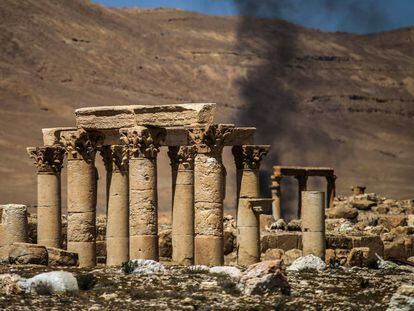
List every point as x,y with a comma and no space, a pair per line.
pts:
331,99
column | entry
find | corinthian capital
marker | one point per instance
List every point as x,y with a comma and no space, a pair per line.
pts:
249,156
210,139
115,157
182,157
47,159
81,144
143,142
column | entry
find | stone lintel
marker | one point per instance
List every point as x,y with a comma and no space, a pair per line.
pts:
51,136
261,206
176,136
116,117
302,171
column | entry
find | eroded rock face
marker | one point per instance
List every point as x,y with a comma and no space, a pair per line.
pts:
264,277
26,253
61,257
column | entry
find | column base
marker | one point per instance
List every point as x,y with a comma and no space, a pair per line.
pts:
183,249
143,247
86,252
248,245
208,250
49,243
314,243
117,251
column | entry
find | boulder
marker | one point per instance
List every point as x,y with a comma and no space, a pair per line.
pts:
233,272
342,211
279,224
143,266
363,204
263,278
403,299
165,243
394,249
273,254
308,262
26,253
55,282
330,257
291,255
358,257
294,225
9,284
228,240
61,257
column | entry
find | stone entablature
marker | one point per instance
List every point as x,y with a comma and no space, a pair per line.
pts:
129,139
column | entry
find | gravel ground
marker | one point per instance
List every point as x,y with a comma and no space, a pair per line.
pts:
182,289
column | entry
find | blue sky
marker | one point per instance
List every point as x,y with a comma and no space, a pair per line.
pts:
360,16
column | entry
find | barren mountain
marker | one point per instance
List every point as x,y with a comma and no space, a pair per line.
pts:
331,99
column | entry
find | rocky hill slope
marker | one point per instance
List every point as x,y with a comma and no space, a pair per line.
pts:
331,99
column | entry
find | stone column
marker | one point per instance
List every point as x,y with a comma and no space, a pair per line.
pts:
15,219
48,161
330,190
117,213
248,160
302,186
313,223
143,147
209,193
275,189
81,149
182,165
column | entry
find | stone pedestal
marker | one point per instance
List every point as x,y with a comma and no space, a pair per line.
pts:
15,219
143,147
276,196
313,223
117,214
48,161
209,193
248,160
82,187
302,186
182,165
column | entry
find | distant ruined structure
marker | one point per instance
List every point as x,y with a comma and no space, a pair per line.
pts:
129,138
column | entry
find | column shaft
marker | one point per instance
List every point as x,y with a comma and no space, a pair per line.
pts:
49,211
208,204
313,223
275,189
330,191
143,214
302,186
81,234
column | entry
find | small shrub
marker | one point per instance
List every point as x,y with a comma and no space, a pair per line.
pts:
86,281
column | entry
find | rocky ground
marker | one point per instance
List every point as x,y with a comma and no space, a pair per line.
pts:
181,288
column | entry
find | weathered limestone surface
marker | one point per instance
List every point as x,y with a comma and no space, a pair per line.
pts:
141,115
51,136
313,223
15,220
81,149
248,158
48,161
117,228
143,146
209,174
182,165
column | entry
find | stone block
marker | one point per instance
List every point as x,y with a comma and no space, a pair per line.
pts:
282,240
110,117
61,257
266,221
26,253
392,221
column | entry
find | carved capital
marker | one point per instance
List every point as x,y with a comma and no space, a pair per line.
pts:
115,157
182,157
210,139
249,156
47,159
81,144
143,142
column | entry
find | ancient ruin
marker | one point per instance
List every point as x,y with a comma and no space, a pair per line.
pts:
129,138
301,174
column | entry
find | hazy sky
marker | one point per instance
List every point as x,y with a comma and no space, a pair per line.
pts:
362,16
